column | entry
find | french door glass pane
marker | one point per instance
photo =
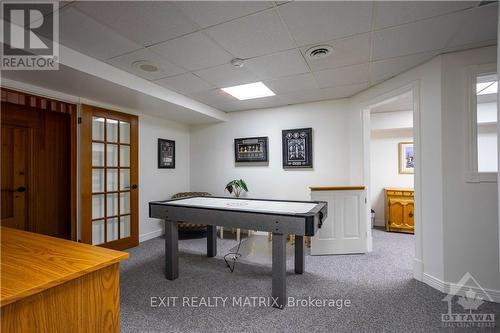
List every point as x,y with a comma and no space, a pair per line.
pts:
97,128
112,203
124,132
97,154
97,206
97,180
125,226
97,232
125,203
112,180
112,159
124,179
112,229
124,156
111,130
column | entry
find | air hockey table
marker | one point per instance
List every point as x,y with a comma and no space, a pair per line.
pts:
281,217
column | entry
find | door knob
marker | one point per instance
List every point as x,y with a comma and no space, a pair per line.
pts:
20,189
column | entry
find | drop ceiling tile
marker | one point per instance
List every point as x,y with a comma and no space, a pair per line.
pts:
385,69
319,21
302,96
145,22
292,83
227,75
212,97
480,25
166,68
250,104
192,52
91,37
346,51
278,64
343,91
342,76
208,13
253,35
184,83
391,13
421,36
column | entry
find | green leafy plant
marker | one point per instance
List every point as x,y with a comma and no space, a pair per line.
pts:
236,186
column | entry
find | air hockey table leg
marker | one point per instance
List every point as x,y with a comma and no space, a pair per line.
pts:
279,269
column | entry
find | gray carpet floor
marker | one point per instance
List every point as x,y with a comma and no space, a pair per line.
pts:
384,297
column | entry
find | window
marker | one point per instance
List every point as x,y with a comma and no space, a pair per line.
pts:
486,117
483,153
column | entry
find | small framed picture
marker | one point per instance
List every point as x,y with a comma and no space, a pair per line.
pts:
251,149
166,154
297,148
406,158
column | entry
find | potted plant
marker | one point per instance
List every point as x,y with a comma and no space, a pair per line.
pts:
236,186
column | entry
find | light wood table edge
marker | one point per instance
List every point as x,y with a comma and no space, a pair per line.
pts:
337,188
5,300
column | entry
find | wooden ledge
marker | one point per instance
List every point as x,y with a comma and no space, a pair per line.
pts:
337,188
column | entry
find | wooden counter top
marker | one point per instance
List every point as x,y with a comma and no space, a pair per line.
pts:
336,188
32,263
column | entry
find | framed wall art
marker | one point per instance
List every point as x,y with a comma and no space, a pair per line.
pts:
166,154
297,148
406,158
251,149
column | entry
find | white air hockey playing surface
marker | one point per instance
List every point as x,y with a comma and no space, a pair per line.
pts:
263,206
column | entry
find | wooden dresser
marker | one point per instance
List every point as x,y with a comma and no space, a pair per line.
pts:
55,285
399,209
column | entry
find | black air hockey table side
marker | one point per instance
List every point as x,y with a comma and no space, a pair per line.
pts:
279,223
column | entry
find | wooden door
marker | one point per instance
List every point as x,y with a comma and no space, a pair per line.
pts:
109,142
15,147
395,213
408,216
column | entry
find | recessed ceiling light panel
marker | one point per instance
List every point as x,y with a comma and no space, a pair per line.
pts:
249,91
319,51
145,66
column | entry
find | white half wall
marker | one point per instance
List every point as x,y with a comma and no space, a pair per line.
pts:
212,151
157,184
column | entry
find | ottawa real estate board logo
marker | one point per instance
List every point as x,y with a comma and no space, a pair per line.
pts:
30,36
464,305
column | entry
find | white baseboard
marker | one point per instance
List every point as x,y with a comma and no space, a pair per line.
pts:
447,287
150,235
379,222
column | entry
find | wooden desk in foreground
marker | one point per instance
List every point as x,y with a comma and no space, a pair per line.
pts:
55,285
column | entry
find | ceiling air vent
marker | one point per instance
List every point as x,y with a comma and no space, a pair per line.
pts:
319,51
144,66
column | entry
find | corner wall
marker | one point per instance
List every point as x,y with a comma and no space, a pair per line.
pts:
212,151
157,184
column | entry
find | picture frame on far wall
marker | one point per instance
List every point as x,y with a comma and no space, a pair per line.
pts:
166,154
251,149
406,158
297,148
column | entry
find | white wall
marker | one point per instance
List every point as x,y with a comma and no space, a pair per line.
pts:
212,151
388,129
154,183
471,216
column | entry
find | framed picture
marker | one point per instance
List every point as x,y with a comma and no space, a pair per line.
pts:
251,149
297,148
166,154
406,158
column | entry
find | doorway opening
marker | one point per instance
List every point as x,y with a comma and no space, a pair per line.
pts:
38,171
391,144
